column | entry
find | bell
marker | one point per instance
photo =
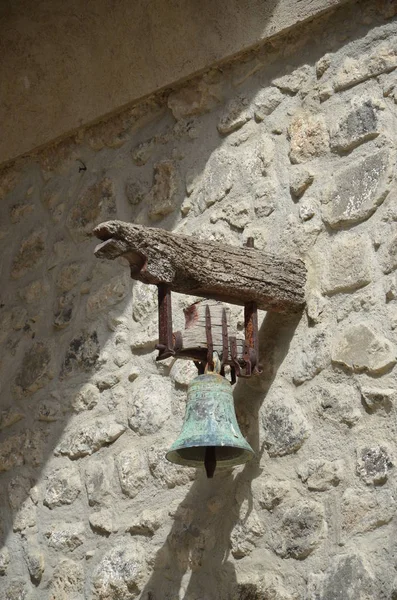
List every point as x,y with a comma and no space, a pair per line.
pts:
210,434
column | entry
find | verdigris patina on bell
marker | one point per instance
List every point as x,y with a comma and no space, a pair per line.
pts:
210,433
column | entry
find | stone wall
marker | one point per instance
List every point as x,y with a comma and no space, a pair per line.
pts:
295,146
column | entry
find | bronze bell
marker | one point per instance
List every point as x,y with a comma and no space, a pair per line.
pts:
210,433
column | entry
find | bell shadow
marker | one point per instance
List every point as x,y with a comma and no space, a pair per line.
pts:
194,561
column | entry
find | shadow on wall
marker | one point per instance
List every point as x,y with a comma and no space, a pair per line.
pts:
67,313
199,542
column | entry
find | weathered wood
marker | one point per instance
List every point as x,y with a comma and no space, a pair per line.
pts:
208,269
194,335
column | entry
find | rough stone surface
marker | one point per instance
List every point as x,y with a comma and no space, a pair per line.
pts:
374,464
347,575
29,256
361,348
63,487
65,537
89,437
302,528
95,204
267,146
132,471
161,198
357,190
147,414
67,581
35,368
358,126
119,573
350,264
363,511
284,424
321,475
309,137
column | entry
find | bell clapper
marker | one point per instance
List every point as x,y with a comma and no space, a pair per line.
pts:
210,461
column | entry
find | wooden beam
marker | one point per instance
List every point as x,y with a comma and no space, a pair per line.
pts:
206,269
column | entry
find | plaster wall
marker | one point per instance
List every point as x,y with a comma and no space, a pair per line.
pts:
66,64
295,146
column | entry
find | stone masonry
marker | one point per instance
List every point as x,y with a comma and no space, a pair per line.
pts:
295,145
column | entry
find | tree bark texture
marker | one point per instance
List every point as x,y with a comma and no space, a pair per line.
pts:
207,269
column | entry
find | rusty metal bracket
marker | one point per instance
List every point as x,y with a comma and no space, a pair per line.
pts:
166,344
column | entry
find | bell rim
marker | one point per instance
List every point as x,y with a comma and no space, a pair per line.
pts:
174,457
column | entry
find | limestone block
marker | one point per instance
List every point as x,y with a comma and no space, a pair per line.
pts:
300,180
183,372
300,531
321,475
361,348
9,417
149,405
35,370
339,402
147,522
67,580
167,474
144,301
132,470
96,204
357,190
99,482
34,292
270,492
307,209
374,464
162,197
360,124
376,60
322,65
108,295
82,354
120,573
69,276
30,254
4,560
308,137
64,311
265,102
34,558
16,591
194,99
87,437
388,258
349,265
12,452
86,398
284,424
102,521
135,191
143,152
293,82
254,585
246,535
63,486
363,511
21,503
235,114
237,215
48,411
347,576
265,198
65,537
378,399
312,356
